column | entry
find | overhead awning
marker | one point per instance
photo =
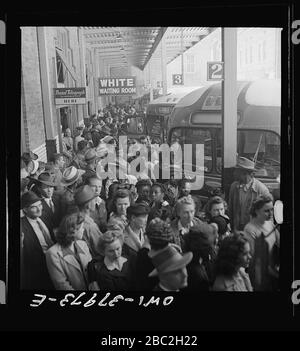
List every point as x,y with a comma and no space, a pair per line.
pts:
136,45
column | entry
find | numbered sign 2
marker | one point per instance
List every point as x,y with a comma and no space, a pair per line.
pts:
177,79
215,70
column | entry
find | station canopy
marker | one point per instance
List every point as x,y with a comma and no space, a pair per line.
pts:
136,45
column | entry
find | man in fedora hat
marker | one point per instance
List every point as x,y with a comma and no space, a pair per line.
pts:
44,188
85,199
28,156
158,236
91,160
72,178
79,158
78,137
171,269
99,213
36,239
243,192
57,169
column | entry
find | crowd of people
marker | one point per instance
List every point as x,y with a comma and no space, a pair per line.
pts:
81,231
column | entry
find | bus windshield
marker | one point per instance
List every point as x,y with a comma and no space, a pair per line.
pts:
261,146
196,136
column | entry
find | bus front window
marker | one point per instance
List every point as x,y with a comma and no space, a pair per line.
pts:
195,136
262,147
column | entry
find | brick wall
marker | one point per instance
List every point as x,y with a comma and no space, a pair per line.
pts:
32,98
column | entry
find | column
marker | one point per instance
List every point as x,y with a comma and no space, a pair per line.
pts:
164,65
229,102
48,112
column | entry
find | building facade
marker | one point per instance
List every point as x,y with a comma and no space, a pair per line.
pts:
53,57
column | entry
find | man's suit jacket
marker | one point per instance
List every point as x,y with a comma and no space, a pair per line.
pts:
34,272
51,219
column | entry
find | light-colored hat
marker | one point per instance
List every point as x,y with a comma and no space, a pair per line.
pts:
71,175
245,163
101,150
24,173
32,166
106,139
169,260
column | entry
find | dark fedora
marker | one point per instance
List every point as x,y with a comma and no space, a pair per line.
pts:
29,198
28,156
47,178
138,209
83,195
169,260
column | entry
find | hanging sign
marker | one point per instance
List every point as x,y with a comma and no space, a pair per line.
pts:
117,86
215,70
177,79
69,96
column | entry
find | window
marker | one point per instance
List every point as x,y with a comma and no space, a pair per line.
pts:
263,147
196,136
264,54
61,74
259,52
250,55
190,62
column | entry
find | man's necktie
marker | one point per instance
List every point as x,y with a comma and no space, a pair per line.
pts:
45,234
51,205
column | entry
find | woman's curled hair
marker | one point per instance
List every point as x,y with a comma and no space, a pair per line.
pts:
259,203
67,227
229,255
109,237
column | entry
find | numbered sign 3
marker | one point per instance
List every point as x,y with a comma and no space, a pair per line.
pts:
215,70
177,79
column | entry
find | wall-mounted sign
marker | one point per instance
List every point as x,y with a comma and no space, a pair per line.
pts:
177,79
215,70
117,86
69,96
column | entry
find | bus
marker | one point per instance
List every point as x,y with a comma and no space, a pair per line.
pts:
197,119
159,110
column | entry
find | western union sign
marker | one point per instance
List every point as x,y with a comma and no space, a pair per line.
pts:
117,86
69,96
